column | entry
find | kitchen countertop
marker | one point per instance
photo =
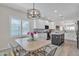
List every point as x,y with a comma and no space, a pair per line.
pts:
58,32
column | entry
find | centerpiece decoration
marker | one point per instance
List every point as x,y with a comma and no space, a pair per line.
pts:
32,35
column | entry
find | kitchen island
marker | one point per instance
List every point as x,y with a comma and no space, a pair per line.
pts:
57,38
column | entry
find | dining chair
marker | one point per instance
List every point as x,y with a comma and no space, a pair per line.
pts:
12,52
21,51
5,52
47,51
52,52
18,50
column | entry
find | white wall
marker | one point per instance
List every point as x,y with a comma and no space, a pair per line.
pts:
5,15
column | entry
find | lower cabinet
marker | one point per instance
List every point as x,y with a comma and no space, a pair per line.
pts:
57,39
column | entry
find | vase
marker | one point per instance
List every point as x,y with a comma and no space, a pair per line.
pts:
32,37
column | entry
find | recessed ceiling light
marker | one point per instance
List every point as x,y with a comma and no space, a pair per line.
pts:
55,11
60,15
63,18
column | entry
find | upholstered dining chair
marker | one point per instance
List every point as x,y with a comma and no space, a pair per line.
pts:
48,50
12,52
52,52
17,51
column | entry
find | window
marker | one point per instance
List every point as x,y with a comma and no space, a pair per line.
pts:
25,27
70,27
19,27
15,26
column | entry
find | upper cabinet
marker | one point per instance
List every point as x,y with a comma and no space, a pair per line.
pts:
40,24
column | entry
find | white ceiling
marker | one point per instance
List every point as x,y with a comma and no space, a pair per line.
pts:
52,11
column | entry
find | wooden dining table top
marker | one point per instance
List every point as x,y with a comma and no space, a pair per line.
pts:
32,45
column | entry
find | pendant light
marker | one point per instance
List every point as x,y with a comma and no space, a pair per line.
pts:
33,13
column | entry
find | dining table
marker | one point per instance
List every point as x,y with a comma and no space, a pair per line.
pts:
32,46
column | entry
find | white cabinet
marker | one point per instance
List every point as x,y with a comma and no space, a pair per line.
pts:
40,24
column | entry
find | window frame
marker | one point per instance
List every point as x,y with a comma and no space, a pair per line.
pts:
70,25
17,36
22,26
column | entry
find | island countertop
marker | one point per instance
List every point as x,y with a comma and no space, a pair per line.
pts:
57,32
